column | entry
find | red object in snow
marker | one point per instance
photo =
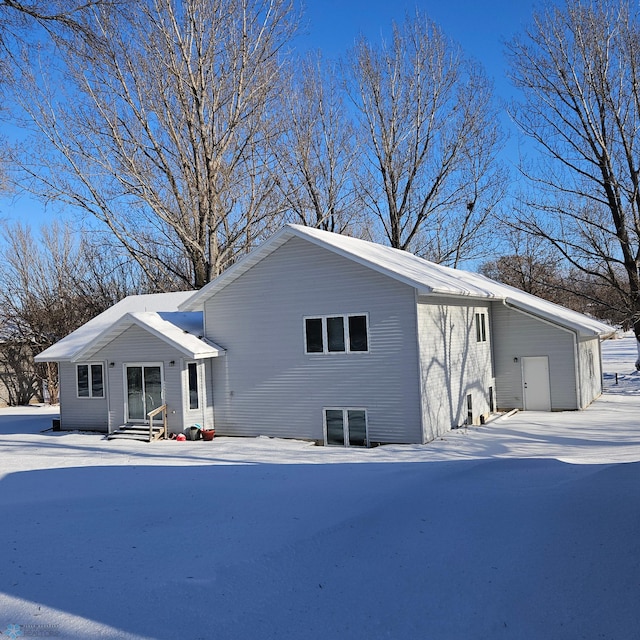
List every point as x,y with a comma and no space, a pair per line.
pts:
181,436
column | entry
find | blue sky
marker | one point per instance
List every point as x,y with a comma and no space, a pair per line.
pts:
480,27
332,26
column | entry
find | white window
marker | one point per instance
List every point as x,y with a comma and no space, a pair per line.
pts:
337,334
192,382
346,427
90,380
481,327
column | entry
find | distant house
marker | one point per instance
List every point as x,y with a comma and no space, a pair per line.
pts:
325,337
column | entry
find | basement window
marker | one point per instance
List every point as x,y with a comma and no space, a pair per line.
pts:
90,380
346,427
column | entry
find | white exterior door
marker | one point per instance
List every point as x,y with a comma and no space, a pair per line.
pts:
195,396
535,382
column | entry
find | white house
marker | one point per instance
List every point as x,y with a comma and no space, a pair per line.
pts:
320,336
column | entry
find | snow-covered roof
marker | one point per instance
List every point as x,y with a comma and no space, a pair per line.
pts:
156,313
428,278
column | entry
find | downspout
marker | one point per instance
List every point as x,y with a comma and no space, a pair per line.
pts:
576,358
210,380
421,392
506,305
601,369
202,379
107,388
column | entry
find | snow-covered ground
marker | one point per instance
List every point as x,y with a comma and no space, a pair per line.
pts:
528,527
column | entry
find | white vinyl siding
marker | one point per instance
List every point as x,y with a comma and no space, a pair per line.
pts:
80,413
590,371
519,335
135,345
269,385
454,365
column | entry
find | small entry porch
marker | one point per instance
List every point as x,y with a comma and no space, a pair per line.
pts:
155,429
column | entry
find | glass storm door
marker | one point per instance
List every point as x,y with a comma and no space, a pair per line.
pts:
144,390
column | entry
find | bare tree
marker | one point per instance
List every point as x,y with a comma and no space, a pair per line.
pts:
529,266
533,265
163,132
20,382
49,287
431,137
578,67
316,155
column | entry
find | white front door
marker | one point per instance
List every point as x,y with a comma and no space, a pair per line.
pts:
143,390
535,382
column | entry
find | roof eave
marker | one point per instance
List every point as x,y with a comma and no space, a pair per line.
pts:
457,295
203,355
41,357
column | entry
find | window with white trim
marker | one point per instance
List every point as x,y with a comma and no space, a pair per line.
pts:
481,327
193,387
337,334
90,380
346,427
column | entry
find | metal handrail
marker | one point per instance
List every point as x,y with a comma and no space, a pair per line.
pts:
152,414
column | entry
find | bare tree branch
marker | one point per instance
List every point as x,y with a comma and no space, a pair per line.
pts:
316,155
578,69
49,287
164,128
431,137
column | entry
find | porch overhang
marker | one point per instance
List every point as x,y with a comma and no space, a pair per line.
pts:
175,331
